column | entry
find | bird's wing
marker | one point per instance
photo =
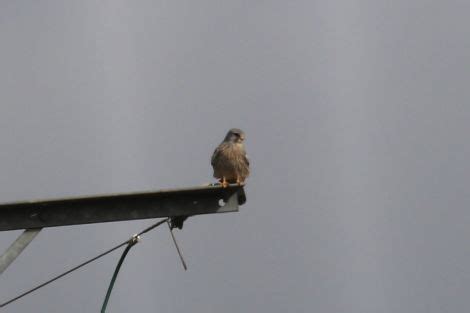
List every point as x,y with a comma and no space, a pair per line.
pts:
214,156
246,159
217,152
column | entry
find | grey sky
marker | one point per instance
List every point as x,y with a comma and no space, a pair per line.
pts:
357,123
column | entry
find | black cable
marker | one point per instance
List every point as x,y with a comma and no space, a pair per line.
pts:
149,228
83,264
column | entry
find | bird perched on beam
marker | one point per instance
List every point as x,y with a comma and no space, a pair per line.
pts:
229,161
230,164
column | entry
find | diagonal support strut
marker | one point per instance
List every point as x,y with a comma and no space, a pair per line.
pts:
17,247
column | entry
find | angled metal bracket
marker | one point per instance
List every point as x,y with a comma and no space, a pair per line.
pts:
120,207
34,215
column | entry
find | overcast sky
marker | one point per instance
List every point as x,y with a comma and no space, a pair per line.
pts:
357,121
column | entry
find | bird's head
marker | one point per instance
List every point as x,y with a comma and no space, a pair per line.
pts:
235,135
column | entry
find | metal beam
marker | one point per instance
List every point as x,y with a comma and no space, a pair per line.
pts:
17,247
120,207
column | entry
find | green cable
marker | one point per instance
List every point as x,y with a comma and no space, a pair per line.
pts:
131,243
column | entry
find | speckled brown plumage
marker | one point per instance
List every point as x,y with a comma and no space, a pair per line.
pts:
229,160
230,165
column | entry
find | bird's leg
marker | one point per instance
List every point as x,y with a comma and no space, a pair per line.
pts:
224,182
239,182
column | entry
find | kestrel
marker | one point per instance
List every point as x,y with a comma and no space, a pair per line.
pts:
229,160
230,163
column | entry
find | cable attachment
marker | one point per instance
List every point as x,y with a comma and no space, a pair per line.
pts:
135,239
130,243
